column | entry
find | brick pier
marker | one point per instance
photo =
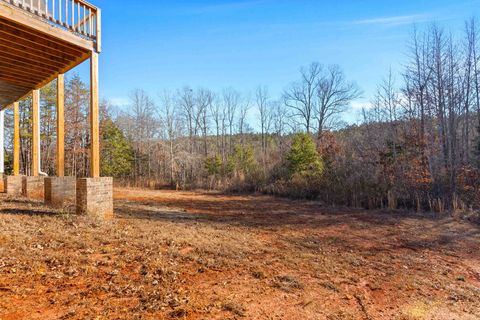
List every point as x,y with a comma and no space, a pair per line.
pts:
60,191
95,197
33,187
13,185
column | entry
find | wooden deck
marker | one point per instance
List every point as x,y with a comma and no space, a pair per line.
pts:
40,40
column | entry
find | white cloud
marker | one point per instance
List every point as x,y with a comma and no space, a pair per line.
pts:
119,101
359,105
395,20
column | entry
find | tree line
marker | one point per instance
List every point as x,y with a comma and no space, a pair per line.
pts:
417,145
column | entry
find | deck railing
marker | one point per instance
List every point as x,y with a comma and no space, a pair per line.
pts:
77,16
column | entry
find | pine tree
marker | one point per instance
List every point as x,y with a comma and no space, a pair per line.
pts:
305,168
303,157
242,162
117,152
213,165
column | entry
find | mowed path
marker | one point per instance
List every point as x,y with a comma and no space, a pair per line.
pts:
187,255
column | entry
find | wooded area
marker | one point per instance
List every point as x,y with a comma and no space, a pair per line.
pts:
416,147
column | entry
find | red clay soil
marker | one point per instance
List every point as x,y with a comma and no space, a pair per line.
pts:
185,255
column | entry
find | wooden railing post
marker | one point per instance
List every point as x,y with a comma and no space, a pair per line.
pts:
99,30
75,15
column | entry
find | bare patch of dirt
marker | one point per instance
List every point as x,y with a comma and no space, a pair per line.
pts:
185,255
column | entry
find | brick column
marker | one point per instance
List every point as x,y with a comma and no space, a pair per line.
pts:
94,194
60,192
95,197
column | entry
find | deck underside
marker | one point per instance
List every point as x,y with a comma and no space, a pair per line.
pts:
33,53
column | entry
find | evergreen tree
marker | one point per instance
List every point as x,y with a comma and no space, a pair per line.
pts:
303,157
305,168
117,152
242,162
213,165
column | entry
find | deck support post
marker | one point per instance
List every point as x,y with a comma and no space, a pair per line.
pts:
60,125
13,184
94,122
94,195
2,135
60,191
35,132
16,139
33,185
2,150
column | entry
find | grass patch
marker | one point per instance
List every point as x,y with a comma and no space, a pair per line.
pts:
287,283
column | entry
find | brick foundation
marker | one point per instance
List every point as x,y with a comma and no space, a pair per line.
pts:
95,197
13,185
60,192
33,187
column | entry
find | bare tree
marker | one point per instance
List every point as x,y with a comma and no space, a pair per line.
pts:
334,94
473,64
279,118
169,116
231,100
387,108
204,100
279,122
186,100
262,100
300,97
389,99
76,127
468,86
217,113
417,76
144,126
242,117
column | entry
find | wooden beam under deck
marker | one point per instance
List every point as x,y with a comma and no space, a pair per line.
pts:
27,37
33,53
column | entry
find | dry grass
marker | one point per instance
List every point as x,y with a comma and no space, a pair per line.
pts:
179,255
286,283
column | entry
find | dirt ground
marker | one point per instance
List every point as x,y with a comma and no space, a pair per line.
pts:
182,255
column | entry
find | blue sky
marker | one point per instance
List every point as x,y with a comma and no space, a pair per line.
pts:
157,45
